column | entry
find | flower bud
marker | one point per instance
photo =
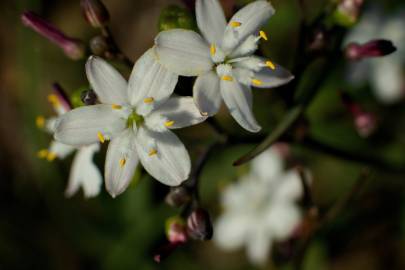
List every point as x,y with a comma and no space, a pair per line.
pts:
99,45
72,47
88,97
347,12
199,226
175,17
61,96
365,122
176,230
373,48
178,196
95,13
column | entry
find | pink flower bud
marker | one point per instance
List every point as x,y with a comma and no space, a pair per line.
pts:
72,47
95,13
176,230
373,48
199,226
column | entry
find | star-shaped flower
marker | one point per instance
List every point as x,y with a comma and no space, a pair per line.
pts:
223,59
260,208
83,173
137,117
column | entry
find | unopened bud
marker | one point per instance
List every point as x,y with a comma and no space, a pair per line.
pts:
176,230
373,48
89,97
173,17
95,12
365,122
99,45
347,12
178,196
72,47
62,97
199,226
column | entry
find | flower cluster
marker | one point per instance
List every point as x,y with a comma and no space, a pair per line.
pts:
138,115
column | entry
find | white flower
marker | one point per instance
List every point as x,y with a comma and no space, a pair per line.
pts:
260,208
137,117
83,173
386,73
223,58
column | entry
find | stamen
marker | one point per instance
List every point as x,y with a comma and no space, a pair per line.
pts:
42,153
257,82
122,162
227,78
169,123
235,24
148,100
263,35
53,99
51,156
152,152
270,65
213,49
116,107
40,121
100,137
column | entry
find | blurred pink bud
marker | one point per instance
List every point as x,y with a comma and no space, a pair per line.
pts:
199,226
373,48
95,12
62,97
366,123
72,47
176,230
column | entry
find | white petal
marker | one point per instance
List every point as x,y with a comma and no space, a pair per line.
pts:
258,245
84,173
121,162
231,230
237,98
60,150
171,164
81,126
268,165
207,95
149,79
251,17
183,52
107,82
272,78
211,20
387,79
282,219
290,187
178,111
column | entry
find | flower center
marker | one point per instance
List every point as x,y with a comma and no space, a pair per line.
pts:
134,119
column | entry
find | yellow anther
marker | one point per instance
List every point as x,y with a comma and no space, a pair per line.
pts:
116,106
148,100
235,24
263,35
213,49
152,152
227,78
270,65
122,162
169,123
40,121
51,156
100,137
42,153
53,99
257,82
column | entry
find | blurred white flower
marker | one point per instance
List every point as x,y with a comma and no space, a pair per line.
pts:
386,74
223,59
83,173
137,117
260,208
